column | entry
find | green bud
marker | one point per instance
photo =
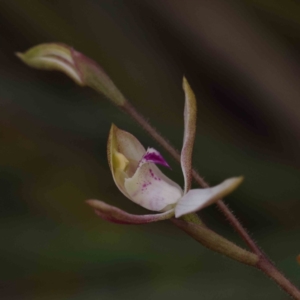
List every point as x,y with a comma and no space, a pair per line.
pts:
83,70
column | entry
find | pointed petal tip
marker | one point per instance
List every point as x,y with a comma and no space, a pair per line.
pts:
185,85
234,182
19,54
115,130
91,202
116,215
113,126
112,131
198,199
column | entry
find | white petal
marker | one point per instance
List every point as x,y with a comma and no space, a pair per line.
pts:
197,199
150,188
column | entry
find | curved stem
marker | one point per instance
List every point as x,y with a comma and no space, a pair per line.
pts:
268,268
215,242
128,108
263,263
86,72
238,227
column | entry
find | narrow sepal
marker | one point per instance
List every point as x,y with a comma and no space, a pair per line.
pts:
197,199
116,215
83,70
190,118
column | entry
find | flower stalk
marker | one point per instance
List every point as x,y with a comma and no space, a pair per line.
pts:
217,243
263,262
268,268
86,72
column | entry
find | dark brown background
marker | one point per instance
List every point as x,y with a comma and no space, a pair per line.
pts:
242,60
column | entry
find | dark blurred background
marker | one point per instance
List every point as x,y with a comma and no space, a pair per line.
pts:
242,59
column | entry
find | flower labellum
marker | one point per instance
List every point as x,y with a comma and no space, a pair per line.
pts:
135,172
137,175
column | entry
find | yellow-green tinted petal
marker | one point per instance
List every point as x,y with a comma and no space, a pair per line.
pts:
53,56
124,152
83,70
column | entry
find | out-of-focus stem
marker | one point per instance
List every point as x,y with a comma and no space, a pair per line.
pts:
128,108
217,243
257,259
269,269
86,72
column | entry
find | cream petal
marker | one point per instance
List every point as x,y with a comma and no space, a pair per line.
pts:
190,117
150,188
117,215
197,199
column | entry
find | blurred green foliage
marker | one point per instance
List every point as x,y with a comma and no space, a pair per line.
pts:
54,133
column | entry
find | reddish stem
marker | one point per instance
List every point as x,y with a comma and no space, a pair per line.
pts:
263,264
128,108
268,268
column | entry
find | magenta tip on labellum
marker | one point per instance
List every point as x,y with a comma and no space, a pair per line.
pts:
153,156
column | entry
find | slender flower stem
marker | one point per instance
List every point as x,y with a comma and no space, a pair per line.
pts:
268,268
238,227
128,108
217,243
86,72
263,262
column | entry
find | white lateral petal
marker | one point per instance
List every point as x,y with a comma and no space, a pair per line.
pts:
150,188
190,117
197,199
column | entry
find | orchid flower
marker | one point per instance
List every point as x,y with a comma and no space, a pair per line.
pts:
136,175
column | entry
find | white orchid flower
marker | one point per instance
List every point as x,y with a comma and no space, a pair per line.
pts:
136,175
